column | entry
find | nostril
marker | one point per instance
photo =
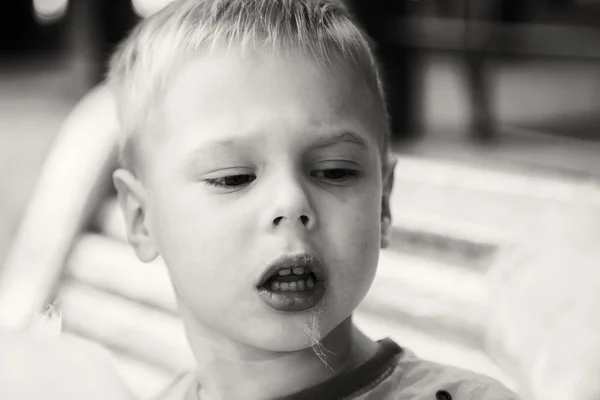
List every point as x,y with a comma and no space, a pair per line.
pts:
303,219
443,395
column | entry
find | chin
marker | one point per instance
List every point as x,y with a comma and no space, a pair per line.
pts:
291,333
285,344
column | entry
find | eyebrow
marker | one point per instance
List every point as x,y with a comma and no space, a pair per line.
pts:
325,141
340,138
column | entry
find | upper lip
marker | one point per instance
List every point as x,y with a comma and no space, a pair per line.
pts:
289,261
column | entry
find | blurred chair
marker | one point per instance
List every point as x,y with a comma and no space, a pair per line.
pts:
68,252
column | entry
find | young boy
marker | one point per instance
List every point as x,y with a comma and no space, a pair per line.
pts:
255,162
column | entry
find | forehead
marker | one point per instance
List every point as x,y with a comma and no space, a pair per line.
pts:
224,95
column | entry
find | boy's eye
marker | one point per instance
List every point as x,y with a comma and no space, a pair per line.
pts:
231,181
336,175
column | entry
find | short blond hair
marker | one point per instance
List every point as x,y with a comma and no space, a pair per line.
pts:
148,59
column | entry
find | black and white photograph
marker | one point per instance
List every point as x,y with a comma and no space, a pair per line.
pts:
300,200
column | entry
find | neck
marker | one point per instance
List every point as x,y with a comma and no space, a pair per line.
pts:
229,371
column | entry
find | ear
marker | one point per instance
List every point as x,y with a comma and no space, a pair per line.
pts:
389,165
132,201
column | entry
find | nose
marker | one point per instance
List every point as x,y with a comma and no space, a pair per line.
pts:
291,204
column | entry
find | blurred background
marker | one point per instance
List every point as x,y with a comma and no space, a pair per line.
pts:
495,107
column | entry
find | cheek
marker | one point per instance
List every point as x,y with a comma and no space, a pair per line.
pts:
360,231
194,238
357,242
364,246
204,255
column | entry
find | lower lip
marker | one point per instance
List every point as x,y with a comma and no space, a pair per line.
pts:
294,301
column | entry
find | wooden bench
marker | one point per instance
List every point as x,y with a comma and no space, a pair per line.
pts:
430,294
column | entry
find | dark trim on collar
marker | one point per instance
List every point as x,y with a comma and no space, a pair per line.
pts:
365,376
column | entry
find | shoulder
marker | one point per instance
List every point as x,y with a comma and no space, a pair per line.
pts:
417,377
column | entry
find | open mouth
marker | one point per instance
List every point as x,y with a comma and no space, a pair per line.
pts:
293,283
296,279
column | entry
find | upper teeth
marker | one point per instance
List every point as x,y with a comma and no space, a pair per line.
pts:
298,271
288,271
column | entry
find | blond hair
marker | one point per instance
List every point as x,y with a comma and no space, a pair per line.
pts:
148,59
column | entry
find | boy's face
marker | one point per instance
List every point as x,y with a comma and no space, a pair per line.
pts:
261,158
